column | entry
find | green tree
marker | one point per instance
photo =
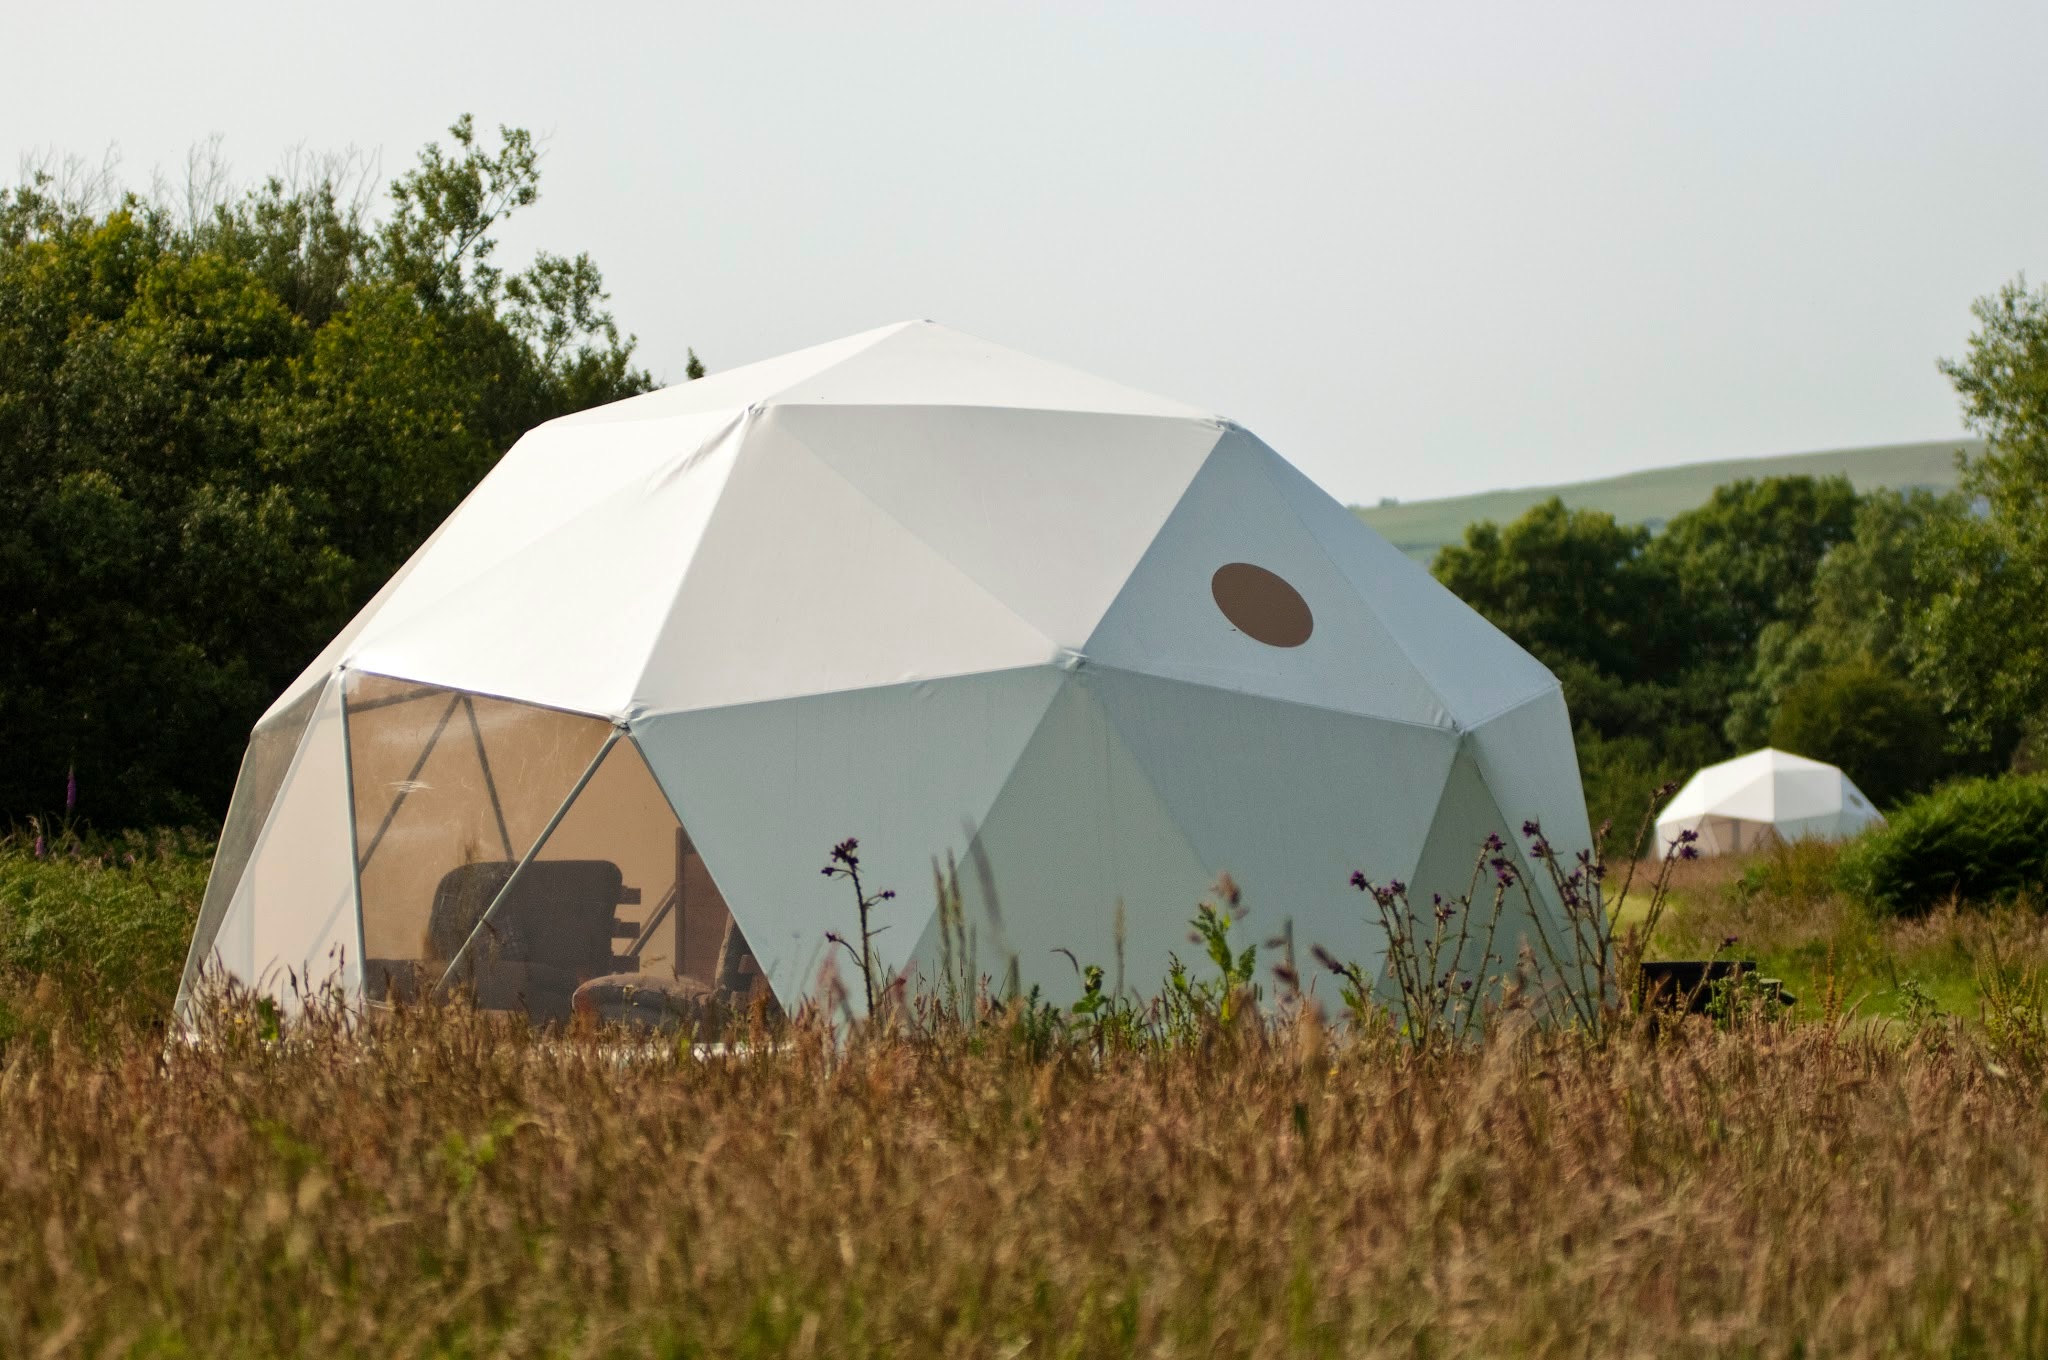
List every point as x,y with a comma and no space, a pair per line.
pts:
220,433
1586,596
1879,727
1654,636
1746,560
1867,598
1580,591
1982,644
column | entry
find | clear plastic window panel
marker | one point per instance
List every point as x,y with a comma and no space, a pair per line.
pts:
451,791
505,850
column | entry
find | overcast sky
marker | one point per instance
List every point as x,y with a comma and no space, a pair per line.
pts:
1420,249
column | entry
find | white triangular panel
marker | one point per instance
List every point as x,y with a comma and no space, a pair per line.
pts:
563,621
731,390
1048,511
321,669
920,363
802,585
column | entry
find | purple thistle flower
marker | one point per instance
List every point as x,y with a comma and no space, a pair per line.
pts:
1688,852
71,791
1359,880
1396,887
1493,843
1687,837
1531,830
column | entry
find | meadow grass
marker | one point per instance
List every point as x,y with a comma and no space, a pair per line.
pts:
440,1183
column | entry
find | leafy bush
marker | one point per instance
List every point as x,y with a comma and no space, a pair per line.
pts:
1979,840
94,934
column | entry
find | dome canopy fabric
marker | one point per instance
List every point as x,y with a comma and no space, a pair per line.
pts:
1742,803
911,587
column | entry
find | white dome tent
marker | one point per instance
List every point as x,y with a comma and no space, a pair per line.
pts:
1767,795
909,587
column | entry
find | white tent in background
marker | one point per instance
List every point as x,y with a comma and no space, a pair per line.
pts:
1744,803
909,587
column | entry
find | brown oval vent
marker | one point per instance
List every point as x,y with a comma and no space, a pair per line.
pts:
1261,605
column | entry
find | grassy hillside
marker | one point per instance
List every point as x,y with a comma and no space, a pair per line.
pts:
1421,527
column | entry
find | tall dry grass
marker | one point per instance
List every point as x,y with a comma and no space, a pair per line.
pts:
447,1186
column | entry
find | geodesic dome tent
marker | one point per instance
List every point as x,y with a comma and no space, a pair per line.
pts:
910,587
1745,803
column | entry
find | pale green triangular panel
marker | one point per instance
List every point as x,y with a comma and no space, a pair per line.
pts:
1077,829
1466,815
1528,759
1475,669
1531,769
1450,865
1288,798
1166,621
767,789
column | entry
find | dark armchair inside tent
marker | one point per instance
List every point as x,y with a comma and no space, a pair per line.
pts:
552,932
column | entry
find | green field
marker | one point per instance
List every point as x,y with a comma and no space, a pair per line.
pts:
1419,528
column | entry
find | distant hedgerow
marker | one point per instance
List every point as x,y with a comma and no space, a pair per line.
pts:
1979,840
